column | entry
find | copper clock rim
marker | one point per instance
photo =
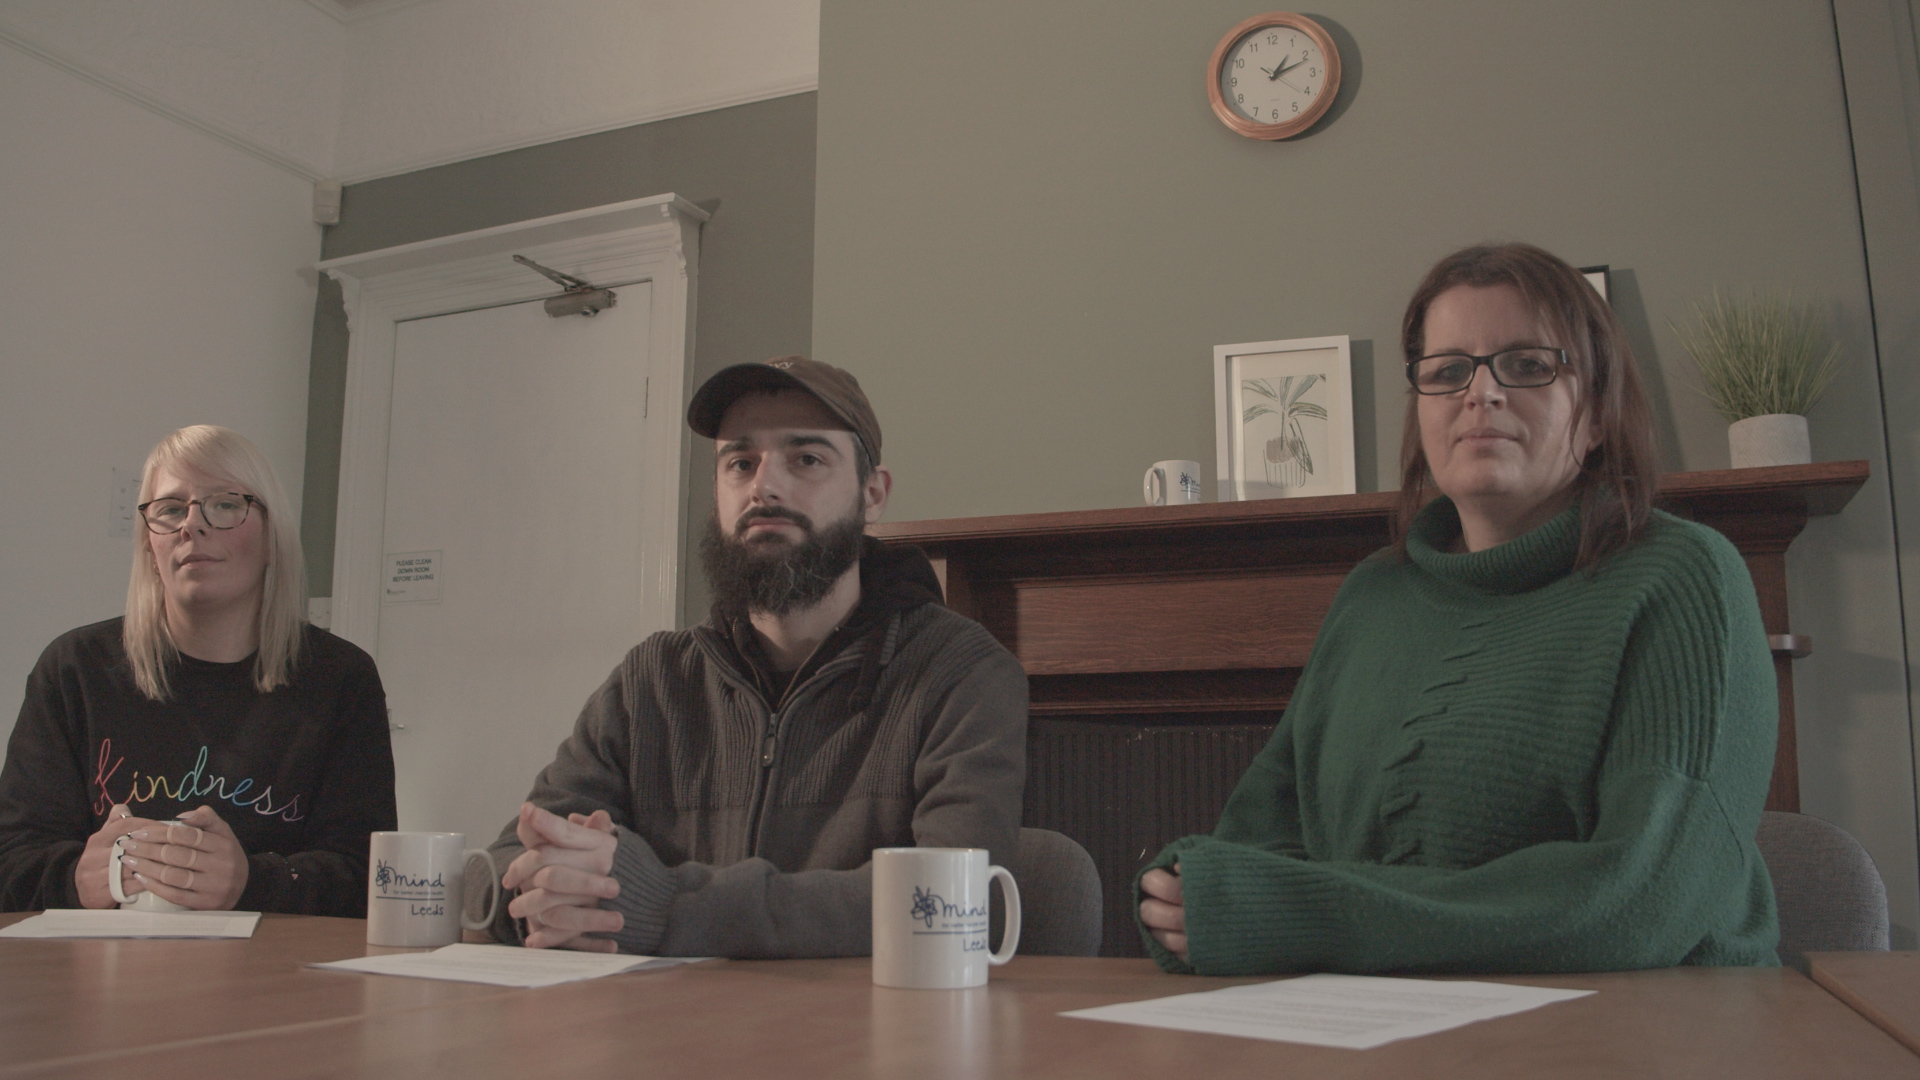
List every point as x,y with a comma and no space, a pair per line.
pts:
1286,129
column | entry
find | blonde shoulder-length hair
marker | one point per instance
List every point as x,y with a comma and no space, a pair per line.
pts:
225,457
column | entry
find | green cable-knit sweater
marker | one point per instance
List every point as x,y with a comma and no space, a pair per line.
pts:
1496,763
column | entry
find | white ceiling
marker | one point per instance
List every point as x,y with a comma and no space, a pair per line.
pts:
355,89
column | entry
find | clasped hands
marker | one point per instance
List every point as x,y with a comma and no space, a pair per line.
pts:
197,864
563,875
1163,911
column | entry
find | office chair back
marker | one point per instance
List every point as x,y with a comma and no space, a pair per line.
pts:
1059,896
1828,891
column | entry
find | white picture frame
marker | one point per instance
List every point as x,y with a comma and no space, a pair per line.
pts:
1276,438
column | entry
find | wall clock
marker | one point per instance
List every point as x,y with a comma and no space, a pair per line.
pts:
1273,75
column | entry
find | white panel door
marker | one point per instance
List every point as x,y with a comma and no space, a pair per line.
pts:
515,455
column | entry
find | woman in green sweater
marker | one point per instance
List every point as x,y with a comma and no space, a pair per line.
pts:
1534,736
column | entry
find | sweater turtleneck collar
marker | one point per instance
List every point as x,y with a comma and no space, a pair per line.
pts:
1522,564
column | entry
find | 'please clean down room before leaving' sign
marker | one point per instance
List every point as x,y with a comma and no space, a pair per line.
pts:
411,577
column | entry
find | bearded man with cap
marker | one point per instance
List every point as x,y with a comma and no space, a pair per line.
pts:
723,791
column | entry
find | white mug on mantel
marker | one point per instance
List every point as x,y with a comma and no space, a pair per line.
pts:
1170,483
930,917
416,888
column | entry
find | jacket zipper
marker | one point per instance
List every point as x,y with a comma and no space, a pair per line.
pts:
770,737
769,755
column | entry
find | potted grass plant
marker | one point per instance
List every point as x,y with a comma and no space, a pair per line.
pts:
1763,361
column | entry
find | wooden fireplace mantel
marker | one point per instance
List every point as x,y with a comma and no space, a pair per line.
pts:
1135,621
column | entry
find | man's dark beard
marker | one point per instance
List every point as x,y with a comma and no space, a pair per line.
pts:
774,576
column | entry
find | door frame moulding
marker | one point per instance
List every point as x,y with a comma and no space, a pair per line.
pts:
656,240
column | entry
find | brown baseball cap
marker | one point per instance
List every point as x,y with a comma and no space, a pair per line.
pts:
832,387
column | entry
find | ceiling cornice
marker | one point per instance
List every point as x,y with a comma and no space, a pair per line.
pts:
687,106
147,99
360,12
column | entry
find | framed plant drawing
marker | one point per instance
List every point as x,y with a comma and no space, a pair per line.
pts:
1283,418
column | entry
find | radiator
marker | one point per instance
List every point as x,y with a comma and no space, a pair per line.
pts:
1124,788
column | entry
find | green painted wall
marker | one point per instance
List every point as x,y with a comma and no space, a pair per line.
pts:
751,167
1031,231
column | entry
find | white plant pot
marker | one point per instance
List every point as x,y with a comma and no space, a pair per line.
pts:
1774,439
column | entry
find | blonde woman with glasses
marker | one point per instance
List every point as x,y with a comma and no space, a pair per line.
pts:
237,755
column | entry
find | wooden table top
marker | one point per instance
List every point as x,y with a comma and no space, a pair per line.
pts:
221,1008
1884,987
97,999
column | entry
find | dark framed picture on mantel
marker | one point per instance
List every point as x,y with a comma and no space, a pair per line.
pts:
1601,278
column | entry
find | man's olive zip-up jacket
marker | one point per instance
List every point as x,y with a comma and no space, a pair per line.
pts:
746,829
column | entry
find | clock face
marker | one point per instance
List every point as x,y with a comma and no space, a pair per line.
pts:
1274,75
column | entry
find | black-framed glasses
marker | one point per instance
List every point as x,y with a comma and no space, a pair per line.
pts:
1449,373
223,511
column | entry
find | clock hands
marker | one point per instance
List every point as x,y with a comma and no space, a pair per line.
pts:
1273,74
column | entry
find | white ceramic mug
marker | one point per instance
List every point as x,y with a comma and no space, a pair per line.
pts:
416,888
1172,482
141,901
930,917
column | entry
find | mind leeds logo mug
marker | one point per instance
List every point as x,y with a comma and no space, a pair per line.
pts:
930,917
416,886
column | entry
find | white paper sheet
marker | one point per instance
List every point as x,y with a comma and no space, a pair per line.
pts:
116,923
1358,1012
505,965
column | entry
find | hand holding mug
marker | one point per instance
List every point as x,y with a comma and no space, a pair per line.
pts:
563,875
90,872
193,861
